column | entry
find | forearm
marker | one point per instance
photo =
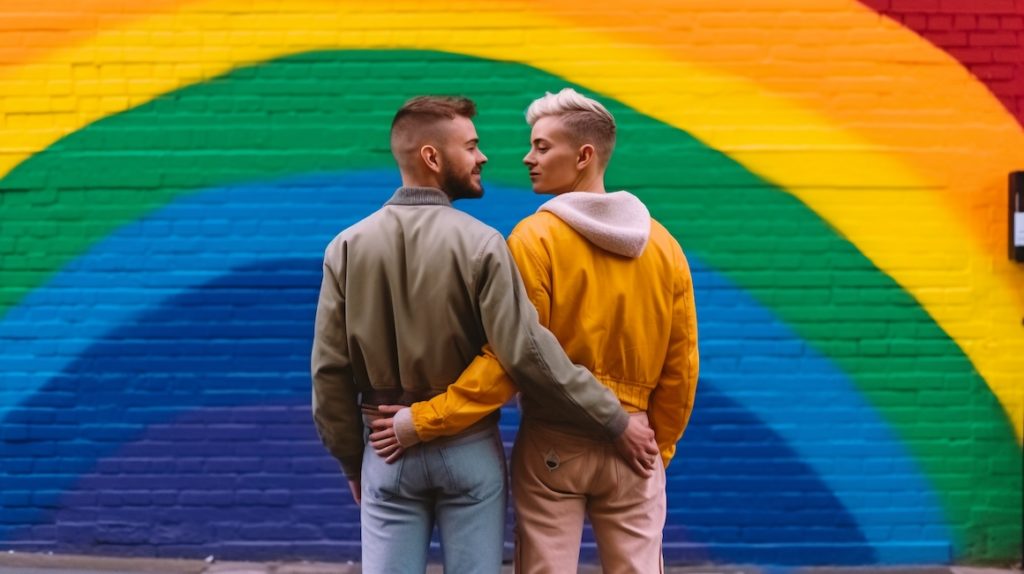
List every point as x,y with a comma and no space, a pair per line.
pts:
481,389
335,402
669,414
335,407
339,425
672,400
554,380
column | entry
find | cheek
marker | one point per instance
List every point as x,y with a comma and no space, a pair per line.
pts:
559,166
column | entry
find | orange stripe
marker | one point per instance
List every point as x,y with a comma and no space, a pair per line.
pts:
31,29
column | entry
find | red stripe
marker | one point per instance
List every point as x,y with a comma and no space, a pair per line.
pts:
986,36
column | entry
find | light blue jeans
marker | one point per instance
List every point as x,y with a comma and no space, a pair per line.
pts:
460,482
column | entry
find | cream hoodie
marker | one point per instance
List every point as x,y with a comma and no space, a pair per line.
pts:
618,222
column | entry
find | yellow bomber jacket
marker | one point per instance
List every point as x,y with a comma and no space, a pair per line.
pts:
622,306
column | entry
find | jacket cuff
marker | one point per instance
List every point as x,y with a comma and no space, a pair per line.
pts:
618,425
405,430
352,466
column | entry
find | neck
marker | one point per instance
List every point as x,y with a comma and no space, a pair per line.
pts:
419,181
415,180
589,182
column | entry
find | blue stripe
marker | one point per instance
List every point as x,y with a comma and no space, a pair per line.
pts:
755,361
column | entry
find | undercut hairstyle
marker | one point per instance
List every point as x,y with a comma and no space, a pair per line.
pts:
417,121
586,119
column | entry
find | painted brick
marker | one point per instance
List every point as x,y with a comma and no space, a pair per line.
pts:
916,21
1012,23
972,55
1008,39
914,5
940,22
189,434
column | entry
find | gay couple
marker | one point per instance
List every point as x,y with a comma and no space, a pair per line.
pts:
428,322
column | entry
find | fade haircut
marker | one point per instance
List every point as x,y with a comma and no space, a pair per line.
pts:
586,119
418,120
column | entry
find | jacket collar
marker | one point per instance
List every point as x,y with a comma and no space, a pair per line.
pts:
419,196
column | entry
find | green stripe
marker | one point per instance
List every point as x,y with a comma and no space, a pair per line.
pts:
331,111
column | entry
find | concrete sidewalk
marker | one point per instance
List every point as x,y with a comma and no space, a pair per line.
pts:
31,563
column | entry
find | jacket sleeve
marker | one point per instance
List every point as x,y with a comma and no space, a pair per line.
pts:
335,406
671,402
480,390
521,347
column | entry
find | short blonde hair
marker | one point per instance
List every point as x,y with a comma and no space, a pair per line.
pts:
587,120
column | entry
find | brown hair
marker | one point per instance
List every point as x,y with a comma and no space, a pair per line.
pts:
435,107
417,119
429,109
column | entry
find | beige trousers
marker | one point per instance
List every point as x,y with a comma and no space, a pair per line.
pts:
558,477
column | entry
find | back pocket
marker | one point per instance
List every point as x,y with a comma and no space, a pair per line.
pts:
381,480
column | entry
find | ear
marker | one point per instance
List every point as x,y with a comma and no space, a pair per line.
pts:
585,156
431,158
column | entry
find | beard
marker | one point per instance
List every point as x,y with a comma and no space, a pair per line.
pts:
459,186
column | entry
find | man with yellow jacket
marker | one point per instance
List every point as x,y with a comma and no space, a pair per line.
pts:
614,288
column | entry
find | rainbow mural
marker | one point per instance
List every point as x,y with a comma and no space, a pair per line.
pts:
170,172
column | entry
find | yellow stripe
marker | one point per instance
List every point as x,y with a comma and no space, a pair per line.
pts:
841,176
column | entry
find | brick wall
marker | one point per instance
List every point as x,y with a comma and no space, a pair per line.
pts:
170,174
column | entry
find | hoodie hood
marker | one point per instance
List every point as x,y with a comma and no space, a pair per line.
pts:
618,222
